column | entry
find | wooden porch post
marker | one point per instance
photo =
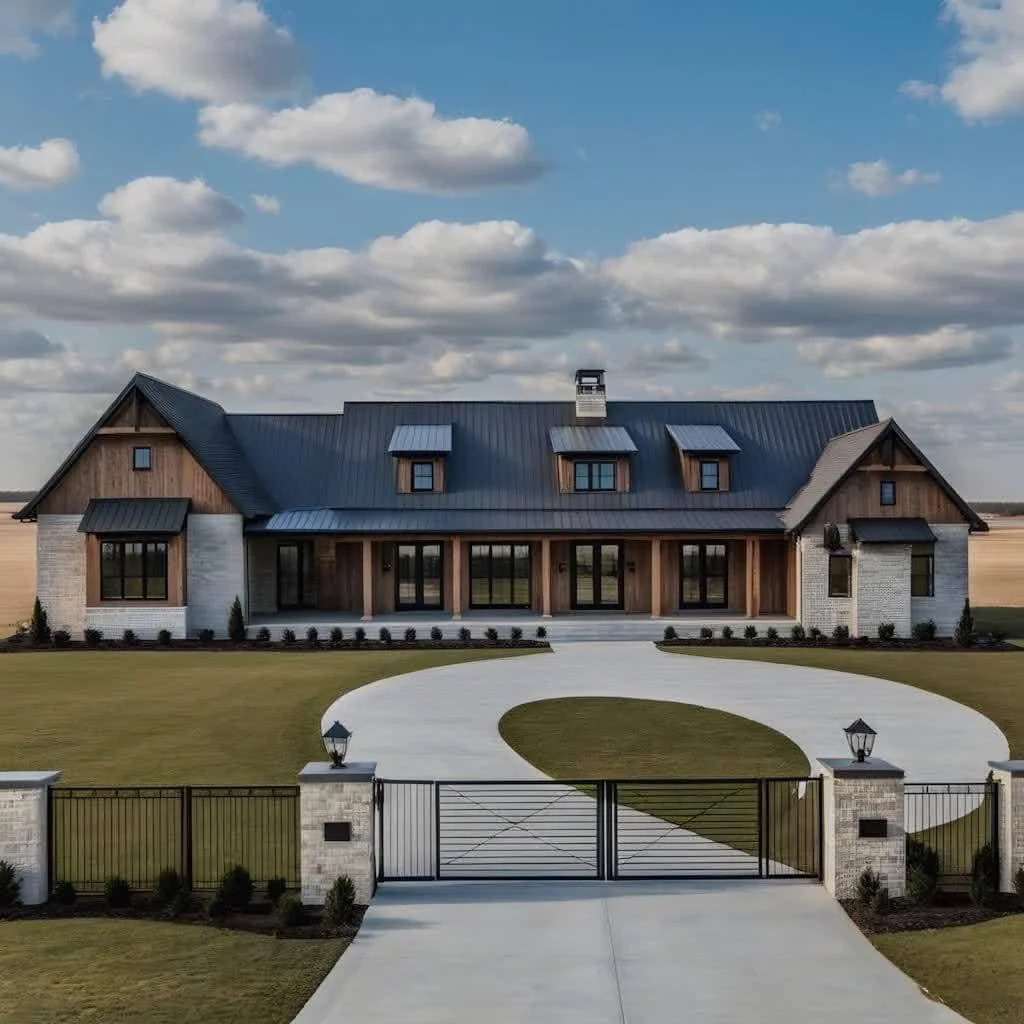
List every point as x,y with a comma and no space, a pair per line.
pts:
545,578
367,579
655,577
456,577
753,577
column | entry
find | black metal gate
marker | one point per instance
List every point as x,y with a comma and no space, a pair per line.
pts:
599,829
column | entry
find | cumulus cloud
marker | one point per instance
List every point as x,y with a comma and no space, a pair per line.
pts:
670,355
25,343
54,162
876,178
22,20
767,120
379,140
215,51
166,204
918,90
267,204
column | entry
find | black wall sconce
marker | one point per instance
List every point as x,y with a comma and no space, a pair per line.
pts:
561,567
385,559
631,566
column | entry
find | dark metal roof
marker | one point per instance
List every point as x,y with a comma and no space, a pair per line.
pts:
135,515
333,520
418,438
693,437
582,440
889,530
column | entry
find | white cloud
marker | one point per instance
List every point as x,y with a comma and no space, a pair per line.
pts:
1010,382
767,120
166,204
918,90
379,140
54,162
876,178
25,343
267,204
22,20
673,354
211,50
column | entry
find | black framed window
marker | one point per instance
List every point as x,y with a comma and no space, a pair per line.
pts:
887,492
133,570
142,459
295,587
922,570
422,476
840,575
499,576
595,476
596,580
419,582
703,576
709,478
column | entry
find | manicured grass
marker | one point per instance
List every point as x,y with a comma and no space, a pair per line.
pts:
1000,620
183,717
974,969
115,972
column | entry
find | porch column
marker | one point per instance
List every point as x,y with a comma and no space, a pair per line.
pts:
753,577
545,578
367,580
656,578
456,577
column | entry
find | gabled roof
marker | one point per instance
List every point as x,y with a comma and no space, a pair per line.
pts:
597,440
421,439
841,457
696,437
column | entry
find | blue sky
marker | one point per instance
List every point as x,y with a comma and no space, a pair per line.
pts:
468,200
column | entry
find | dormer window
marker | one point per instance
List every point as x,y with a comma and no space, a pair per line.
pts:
423,476
709,475
420,451
592,458
594,476
142,459
705,452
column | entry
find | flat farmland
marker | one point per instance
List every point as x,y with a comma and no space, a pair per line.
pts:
17,567
997,564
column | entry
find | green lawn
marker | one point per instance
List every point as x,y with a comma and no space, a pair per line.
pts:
183,717
1002,620
109,972
976,969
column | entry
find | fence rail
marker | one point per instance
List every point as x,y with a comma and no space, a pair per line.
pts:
200,831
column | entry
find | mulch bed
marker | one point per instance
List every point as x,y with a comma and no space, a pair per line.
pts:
826,643
258,918
951,910
11,646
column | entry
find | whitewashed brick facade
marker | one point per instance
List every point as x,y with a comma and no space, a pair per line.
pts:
113,620
950,579
881,588
1010,777
816,607
23,833
336,795
60,572
216,570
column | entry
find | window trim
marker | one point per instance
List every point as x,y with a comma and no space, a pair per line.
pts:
929,556
592,468
849,575
882,485
136,468
718,474
412,476
146,545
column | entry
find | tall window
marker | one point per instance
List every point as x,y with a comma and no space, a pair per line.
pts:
500,576
840,575
422,476
142,459
595,476
888,492
709,475
922,570
133,570
295,575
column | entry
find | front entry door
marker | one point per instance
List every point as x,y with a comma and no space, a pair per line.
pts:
418,578
703,576
597,576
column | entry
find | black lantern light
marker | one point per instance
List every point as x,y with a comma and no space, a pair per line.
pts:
861,738
336,744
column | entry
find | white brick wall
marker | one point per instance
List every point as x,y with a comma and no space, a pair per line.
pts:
60,571
23,837
216,570
950,579
113,620
881,585
816,607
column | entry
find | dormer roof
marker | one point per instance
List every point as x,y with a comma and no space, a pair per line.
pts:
591,441
695,438
421,439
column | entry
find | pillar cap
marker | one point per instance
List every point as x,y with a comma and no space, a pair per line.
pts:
324,771
27,780
1013,767
848,768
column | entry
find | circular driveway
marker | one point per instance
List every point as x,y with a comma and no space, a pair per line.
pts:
442,723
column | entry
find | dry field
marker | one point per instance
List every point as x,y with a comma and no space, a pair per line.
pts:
17,567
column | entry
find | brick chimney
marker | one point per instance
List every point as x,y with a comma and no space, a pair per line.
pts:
591,403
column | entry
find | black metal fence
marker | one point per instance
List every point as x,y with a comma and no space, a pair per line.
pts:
956,819
200,831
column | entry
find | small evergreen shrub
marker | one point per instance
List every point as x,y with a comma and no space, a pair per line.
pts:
464,634
235,888
64,894
236,622
515,634
771,634
841,634
290,912
339,904
670,633
815,634
706,632
61,638
206,636
39,627
384,635
491,634
312,636
727,632
542,632
93,637
287,636
1018,885
164,638
964,632
435,634
924,630
921,886
276,888
984,876
410,635
216,909
359,635
263,635
886,630
868,885
336,635
117,892
750,632
881,904
10,885
128,638
797,632
168,884
183,902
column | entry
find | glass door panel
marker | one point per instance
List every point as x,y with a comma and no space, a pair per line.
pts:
584,562
501,575
690,576
430,576
715,577
521,576
597,576
611,575
406,565
289,576
703,576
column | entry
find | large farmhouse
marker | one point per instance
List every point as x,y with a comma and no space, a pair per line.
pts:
814,512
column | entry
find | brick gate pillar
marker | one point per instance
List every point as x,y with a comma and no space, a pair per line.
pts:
863,823
24,830
337,829
1009,776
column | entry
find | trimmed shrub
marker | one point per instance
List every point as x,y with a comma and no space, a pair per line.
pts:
868,885
10,885
61,638
515,634
216,909
464,634
984,876
921,886
168,884
881,904
1018,885
312,636
276,888
542,632
339,904
117,892
436,634
39,627
336,635
287,636
235,888
263,635
410,635
964,632
706,632
886,630
236,622
128,638
64,894
922,871
841,634
290,912
183,902
206,636
771,634
93,637
727,632
359,635
815,634
164,638
491,634
750,632
384,635
797,632
670,633
924,630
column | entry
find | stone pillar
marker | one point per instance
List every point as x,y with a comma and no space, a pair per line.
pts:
1009,776
656,578
337,829
863,825
367,580
545,578
24,832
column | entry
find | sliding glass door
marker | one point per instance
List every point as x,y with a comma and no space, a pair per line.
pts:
597,576
418,582
499,576
703,576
